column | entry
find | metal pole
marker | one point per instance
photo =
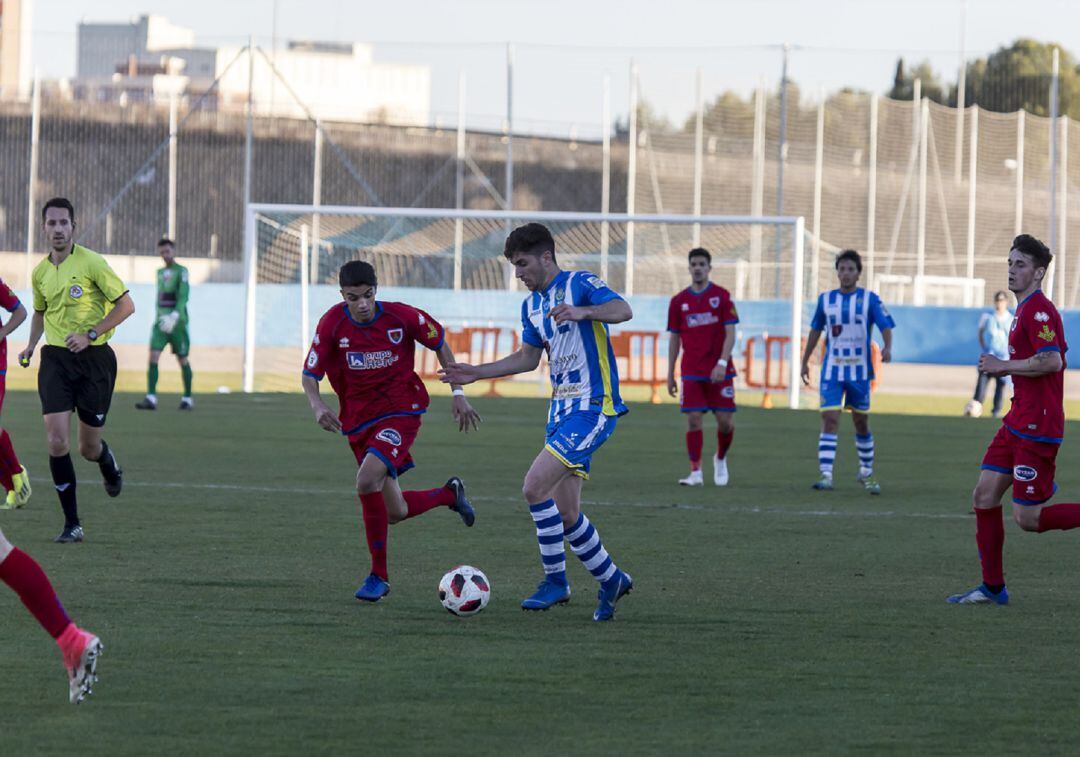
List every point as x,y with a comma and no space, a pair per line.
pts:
794,365
916,112
31,189
1018,221
605,177
961,97
459,192
920,263
781,160
973,160
757,191
819,165
1063,214
699,155
251,269
509,127
316,200
305,322
174,106
871,199
1053,160
631,178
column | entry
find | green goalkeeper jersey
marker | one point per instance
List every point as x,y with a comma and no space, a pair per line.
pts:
172,291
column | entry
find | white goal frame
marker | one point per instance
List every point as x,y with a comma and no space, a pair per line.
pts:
252,210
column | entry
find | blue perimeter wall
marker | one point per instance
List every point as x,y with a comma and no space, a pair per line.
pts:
942,335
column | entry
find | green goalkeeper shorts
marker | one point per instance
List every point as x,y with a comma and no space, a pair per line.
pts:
179,340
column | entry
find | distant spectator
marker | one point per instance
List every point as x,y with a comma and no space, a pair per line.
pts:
993,340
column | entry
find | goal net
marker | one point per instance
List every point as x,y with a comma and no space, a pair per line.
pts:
451,263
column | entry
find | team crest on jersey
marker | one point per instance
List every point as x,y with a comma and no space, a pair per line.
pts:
596,282
390,436
76,291
714,302
166,274
1047,334
312,359
837,330
396,335
1042,317
1025,473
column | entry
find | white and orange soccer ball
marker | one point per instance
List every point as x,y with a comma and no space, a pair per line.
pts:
464,590
973,409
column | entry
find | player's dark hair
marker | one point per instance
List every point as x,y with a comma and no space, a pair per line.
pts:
357,273
851,255
59,202
1001,294
1038,252
166,241
699,252
532,238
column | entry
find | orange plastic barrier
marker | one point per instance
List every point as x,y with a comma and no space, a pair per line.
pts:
638,355
472,344
773,377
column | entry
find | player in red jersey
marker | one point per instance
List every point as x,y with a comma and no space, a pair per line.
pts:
366,349
702,318
1023,453
13,475
80,648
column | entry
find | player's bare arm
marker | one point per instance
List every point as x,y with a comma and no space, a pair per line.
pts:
613,311
886,351
719,371
524,360
811,342
324,416
37,328
460,408
123,309
14,322
674,342
1039,364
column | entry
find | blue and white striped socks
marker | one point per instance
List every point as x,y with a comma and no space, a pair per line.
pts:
826,453
549,535
864,445
585,543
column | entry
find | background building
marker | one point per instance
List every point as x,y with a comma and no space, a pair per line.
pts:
15,74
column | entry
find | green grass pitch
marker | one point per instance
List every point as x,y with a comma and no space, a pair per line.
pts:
766,618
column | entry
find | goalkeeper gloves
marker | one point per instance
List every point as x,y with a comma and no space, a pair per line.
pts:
168,322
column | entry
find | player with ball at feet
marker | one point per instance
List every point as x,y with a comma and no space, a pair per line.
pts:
566,314
366,348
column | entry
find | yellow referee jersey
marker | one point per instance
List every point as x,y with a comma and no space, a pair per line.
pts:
75,295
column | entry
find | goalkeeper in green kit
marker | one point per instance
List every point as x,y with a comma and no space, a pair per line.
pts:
171,326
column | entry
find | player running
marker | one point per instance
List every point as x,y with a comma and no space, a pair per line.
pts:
566,315
1023,453
850,313
366,348
702,318
171,326
13,474
80,648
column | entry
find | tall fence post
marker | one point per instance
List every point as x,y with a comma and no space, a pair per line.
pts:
916,132
961,97
31,185
973,161
1018,219
251,269
794,367
1053,165
305,322
509,196
316,200
1061,251
819,167
605,175
631,178
174,107
699,157
781,160
871,193
920,245
757,191
459,186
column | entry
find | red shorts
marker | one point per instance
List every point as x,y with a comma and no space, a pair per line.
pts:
1031,465
704,396
389,439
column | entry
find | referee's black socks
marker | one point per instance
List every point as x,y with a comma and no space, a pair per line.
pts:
63,476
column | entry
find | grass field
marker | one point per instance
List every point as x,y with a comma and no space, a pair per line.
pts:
766,618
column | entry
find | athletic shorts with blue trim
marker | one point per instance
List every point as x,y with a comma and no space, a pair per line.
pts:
1030,463
854,395
702,396
389,439
575,438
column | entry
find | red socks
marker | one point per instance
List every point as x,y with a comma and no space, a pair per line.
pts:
723,442
28,580
420,501
376,528
990,536
694,443
1059,517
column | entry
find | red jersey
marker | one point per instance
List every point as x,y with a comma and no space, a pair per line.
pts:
370,365
699,319
1037,411
10,303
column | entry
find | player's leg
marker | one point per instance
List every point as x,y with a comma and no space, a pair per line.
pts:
57,437
93,447
830,424
694,439
722,403
158,340
93,397
858,399
1033,485
181,344
371,478
1000,383
25,577
13,475
541,484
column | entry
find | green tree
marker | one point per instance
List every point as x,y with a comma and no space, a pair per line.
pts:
903,87
1019,76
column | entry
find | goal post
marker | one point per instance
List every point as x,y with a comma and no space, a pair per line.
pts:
287,265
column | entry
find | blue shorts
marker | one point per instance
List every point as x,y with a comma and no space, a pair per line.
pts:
854,395
574,438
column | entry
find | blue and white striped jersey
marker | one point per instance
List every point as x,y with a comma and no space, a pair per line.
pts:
847,321
584,375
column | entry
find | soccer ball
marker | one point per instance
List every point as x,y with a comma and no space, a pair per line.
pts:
464,591
973,408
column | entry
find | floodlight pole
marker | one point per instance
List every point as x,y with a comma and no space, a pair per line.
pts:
174,106
1053,166
871,194
459,187
699,158
631,179
605,177
509,127
31,193
1018,220
780,160
316,200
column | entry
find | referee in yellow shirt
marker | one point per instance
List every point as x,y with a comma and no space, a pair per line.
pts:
78,302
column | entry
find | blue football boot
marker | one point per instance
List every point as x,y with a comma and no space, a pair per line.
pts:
611,591
548,594
461,505
373,589
980,595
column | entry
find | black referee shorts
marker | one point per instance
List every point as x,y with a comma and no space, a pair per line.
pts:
80,381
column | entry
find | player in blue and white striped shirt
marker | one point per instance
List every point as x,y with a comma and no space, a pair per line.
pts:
847,316
566,315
